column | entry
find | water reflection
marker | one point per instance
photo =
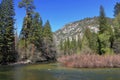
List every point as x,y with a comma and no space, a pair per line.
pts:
22,74
18,73
48,72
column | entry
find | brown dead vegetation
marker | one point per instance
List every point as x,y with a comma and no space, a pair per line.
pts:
90,61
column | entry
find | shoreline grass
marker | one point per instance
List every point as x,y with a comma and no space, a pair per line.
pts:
90,61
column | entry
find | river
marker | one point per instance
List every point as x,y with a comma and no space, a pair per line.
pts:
56,72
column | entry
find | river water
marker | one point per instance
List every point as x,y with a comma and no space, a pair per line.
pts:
55,72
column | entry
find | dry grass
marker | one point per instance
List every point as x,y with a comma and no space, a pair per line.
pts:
90,61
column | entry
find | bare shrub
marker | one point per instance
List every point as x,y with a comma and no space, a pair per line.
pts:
90,61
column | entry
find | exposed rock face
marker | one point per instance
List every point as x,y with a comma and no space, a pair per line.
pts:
77,28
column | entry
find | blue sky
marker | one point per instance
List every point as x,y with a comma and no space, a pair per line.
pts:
61,12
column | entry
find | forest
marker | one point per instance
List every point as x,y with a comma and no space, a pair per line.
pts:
36,40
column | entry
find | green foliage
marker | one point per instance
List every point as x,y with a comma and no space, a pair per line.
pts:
117,26
79,44
26,32
86,44
91,39
36,31
104,41
116,9
7,42
35,41
116,43
105,35
28,5
91,42
69,46
117,23
102,21
73,46
48,41
47,33
61,45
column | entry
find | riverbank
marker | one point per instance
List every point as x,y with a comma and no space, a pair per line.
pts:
90,61
29,62
56,72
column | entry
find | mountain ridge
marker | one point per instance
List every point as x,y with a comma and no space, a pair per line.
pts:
77,28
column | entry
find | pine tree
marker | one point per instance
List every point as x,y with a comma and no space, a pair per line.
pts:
61,45
28,5
79,42
85,45
73,45
104,34
117,20
92,40
47,33
24,36
117,9
65,47
48,41
37,36
102,21
27,24
116,44
7,29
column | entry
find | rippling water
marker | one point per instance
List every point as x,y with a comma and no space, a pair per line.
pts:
55,72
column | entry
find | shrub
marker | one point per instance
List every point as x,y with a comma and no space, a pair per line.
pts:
90,61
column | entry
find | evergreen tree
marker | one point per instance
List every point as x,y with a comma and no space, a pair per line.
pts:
47,33
79,42
61,48
36,37
92,40
116,9
85,45
102,21
28,5
48,41
7,31
68,45
117,26
27,24
65,47
61,45
116,43
24,35
72,45
104,34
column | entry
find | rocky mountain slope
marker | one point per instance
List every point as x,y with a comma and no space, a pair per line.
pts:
77,28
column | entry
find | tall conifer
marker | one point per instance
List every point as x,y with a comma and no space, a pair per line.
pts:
7,25
104,34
